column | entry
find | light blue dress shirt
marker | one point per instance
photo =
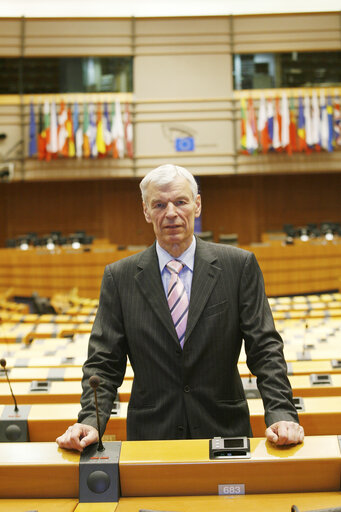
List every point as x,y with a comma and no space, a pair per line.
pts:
186,274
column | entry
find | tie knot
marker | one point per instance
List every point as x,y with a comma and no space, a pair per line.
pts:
175,266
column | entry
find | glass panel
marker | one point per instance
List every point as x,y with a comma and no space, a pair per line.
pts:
294,69
68,74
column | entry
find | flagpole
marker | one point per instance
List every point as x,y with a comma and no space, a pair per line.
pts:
21,96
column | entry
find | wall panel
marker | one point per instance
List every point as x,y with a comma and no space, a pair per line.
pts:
246,205
286,32
68,37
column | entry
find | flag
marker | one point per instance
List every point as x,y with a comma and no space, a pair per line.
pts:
302,144
292,128
330,143
128,132
92,131
308,123
270,122
62,131
251,129
262,125
71,150
285,127
107,129
337,122
324,122
52,144
41,135
46,130
101,148
243,142
315,121
78,132
32,147
86,141
117,131
277,133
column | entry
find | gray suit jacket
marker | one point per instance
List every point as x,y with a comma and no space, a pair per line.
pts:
200,386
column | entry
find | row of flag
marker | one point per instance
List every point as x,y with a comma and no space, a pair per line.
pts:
313,125
103,131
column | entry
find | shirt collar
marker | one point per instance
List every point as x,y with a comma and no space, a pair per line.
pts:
187,257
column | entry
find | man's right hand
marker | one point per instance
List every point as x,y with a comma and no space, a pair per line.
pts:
78,437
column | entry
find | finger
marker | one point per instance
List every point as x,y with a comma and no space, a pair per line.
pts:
289,432
90,438
271,435
71,438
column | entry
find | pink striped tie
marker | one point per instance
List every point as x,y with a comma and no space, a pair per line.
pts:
177,300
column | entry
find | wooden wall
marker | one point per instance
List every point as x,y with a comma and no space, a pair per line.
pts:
247,205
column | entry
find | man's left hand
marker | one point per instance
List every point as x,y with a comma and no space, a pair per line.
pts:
285,432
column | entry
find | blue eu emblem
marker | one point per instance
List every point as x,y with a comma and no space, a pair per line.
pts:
184,144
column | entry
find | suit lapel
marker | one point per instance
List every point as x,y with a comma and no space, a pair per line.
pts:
205,276
149,281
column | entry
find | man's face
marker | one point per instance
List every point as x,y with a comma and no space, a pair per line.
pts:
172,210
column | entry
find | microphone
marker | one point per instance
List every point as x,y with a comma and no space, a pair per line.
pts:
94,382
3,364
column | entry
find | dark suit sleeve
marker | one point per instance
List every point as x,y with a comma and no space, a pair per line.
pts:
107,355
264,346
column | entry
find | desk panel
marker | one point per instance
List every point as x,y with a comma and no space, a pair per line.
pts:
38,470
174,468
254,503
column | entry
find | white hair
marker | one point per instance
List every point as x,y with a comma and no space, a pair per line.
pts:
165,174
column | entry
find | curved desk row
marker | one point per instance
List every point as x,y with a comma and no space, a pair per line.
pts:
45,422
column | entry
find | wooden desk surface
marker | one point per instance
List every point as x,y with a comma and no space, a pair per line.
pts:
39,505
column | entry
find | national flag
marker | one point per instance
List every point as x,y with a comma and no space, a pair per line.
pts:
52,145
92,131
308,122
262,125
337,122
46,130
315,121
292,127
117,131
41,135
285,128
86,141
101,148
128,132
32,147
251,128
70,135
277,133
62,131
330,145
301,144
243,122
107,129
324,122
270,121
78,132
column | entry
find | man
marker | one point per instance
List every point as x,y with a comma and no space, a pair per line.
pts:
182,326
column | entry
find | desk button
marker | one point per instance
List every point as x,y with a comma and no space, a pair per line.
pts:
187,389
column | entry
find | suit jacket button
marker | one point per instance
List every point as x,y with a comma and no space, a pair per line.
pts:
181,428
178,351
187,389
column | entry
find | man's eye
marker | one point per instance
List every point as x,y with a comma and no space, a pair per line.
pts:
180,202
159,205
